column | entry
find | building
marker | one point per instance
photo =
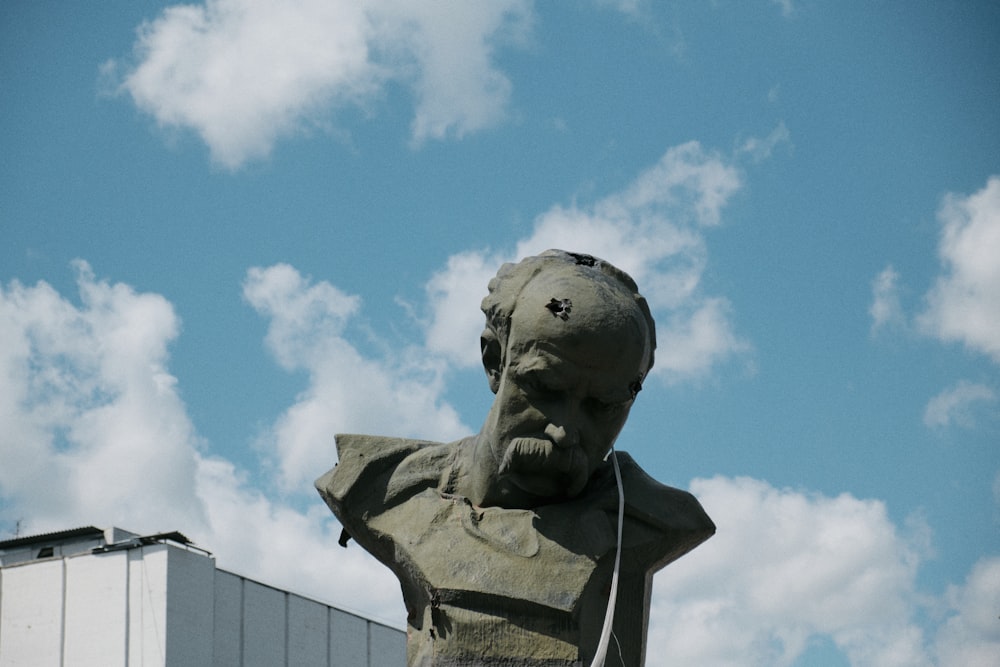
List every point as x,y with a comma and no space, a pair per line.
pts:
106,598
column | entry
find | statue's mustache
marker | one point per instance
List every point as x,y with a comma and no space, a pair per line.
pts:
527,454
541,456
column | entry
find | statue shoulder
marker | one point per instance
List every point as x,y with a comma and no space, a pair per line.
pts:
374,472
657,503
667,515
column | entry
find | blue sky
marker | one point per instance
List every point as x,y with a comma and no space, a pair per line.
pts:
232,229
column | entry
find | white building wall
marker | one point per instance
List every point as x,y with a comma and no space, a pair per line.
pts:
345,648
227,643
307,631
95,632
31,614
147,603
190,607
162,604
384,647
263,625
259,626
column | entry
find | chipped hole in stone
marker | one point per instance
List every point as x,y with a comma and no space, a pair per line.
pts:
583,260
560,308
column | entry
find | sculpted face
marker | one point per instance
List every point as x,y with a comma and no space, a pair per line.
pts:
576,353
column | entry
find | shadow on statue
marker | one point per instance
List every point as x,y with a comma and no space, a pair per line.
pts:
504,542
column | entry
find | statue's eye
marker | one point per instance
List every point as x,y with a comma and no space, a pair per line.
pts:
535,387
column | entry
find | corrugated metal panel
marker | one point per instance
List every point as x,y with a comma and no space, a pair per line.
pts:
84,531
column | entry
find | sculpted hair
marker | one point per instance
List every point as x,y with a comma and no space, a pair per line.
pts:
511,279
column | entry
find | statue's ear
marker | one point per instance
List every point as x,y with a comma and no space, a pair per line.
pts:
489,346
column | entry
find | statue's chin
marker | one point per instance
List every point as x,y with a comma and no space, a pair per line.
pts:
544,487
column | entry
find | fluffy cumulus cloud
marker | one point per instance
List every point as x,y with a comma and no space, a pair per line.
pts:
454,294
786,569
449,48
347,392
244,73
91,416
957,405
964,303
654,229
971,634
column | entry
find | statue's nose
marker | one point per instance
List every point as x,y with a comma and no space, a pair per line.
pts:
562,436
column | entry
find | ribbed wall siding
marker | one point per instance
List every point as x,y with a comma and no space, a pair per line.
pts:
164,605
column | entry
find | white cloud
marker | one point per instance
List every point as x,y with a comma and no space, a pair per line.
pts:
304,315
91,416
457,89
964,303
347,392
971,635
244,73
785,569
653,229
956,405
886,310
689,182
453,296
761,149
694,340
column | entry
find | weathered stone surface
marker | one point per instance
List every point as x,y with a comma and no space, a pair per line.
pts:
504,542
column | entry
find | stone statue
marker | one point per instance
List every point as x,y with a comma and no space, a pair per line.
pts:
504,542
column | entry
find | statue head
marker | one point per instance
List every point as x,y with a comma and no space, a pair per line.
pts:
567,344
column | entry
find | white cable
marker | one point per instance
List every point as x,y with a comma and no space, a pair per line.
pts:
609,617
